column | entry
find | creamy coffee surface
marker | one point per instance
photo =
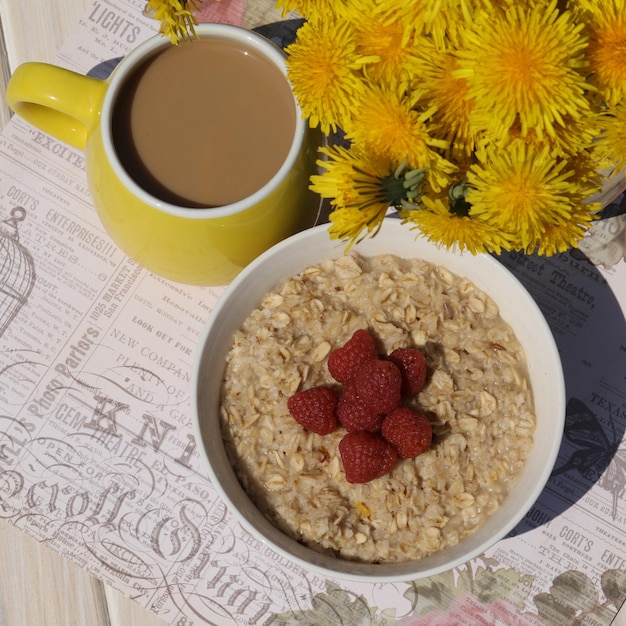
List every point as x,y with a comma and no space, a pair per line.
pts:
206,123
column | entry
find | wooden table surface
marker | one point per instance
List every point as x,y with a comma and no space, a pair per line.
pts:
38,586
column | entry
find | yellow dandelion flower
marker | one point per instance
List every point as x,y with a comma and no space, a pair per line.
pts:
508,111
442,20
361,187
556,238
575,136
176,17
351,225
340,166
612,146
423,10
585,171
449,95
435,221
526,64
395,127
387,35
322,66
607,47
522,189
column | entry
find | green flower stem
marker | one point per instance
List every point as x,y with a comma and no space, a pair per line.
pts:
403,186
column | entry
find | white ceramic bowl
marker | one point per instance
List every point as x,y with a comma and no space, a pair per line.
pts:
516,306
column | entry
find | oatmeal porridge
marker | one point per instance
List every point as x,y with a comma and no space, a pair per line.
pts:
477,397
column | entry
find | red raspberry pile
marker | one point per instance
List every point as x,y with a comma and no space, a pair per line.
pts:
380,429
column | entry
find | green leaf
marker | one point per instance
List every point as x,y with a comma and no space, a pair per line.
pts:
336,607
502,584
433,593
613,583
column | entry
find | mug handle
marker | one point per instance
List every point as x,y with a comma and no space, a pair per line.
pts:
58,101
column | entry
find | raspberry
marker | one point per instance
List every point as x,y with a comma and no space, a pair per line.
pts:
315,409
408,430
356,414
344,362
412,365
366,456
378,383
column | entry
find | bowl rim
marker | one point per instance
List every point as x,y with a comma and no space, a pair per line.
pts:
238,503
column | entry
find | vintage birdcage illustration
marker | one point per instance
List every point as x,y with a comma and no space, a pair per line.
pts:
17,270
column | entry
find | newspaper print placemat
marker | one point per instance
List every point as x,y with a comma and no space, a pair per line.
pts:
97,455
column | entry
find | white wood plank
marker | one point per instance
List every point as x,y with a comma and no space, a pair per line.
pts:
40,587
126,612
620,619
33,31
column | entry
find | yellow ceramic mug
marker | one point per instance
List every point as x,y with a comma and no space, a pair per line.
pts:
205,246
